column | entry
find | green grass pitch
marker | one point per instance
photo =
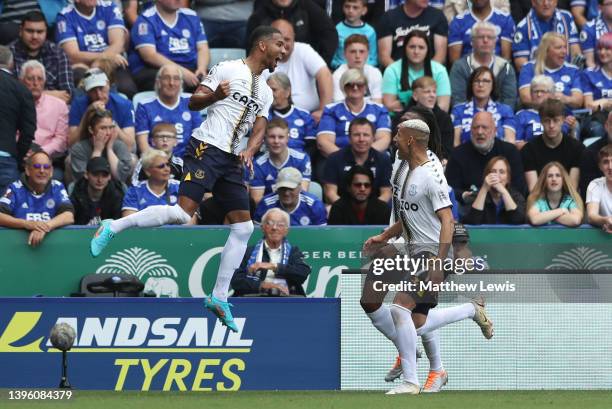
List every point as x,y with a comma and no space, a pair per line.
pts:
326,400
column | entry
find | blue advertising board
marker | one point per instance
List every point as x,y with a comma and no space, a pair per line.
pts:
172,344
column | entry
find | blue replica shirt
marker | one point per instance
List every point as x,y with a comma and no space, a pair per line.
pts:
344,31
140,196
530,30
592,32
460,30
178,43
462,115
595,82
310,211
529,125
265,172
590,7
566,78
21,203
90,32
337,117
152,112
120,107
301,126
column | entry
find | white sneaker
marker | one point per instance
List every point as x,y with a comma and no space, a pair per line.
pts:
435,381
395,372
405,388
481,318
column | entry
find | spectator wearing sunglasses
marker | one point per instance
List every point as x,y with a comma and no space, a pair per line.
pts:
35,202
359,206
163,138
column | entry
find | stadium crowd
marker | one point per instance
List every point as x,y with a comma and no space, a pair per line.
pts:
94,107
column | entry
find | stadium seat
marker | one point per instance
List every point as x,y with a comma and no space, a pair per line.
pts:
591,141
223,54
141,97
316,189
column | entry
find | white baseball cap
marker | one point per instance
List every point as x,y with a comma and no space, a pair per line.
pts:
288,177
93,78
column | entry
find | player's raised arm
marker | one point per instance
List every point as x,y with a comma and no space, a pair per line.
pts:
203,97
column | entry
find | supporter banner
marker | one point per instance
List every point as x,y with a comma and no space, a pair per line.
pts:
172,344
182,261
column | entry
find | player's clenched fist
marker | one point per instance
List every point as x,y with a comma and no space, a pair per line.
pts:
223,90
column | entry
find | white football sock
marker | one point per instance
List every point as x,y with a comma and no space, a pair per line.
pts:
231,257
431,343
151,216
383,321
405,342
439,317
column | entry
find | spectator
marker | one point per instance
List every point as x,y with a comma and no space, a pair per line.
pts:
597,88
157,189
584,10
589,163
166,34
225,22
96,196
497,202
359,151
88,30
13,11
170,107
543,17
17,114
359,206
277,157
302,131
483,55
554,198
163,138
311,79
460,31
333,132
552,145
32,44
481,97
99,137
35,202
453,8
375,10
51,113
412,15
594,30
311,24
133,8
272,266
467,162
100,96
354,10
356,48
415,63
550,61
304,209
599,193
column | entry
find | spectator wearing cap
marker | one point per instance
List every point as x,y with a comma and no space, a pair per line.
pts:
98,94
358,152
273,265
96,196
359,206
163,138
304,209
35,202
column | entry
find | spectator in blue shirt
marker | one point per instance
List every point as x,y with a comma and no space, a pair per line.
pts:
277,157
597,89
163,137
165,34
304,209
584,10
354,10
35,202
594,30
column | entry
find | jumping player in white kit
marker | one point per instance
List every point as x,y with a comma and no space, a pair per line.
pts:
238,99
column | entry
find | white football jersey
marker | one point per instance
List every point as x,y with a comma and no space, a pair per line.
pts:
231,118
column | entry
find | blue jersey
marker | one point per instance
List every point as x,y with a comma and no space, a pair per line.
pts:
529,125
462,115
90,32
597,83
265,172
566,78
592,32
530,30
460,30
590,7
310,211
301,126
140,196
344,31
120,107
152,112
337,117
21,203
178,43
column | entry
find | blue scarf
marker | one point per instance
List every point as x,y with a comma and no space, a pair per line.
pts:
257,254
